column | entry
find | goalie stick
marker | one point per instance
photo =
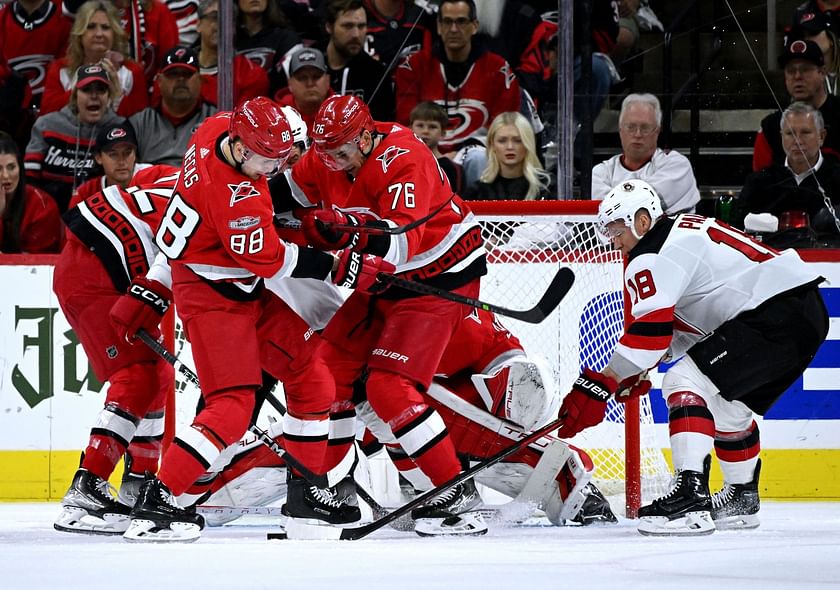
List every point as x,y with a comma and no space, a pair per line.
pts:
554,294
360,532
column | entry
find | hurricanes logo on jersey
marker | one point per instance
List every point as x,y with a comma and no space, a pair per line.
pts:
391,154
241,191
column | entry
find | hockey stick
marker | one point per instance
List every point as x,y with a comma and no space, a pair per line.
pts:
359,532
317,479
375,230
554,294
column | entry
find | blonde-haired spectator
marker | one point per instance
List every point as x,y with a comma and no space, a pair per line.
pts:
513,170
97,38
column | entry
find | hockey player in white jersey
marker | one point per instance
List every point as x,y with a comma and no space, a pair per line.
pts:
741,320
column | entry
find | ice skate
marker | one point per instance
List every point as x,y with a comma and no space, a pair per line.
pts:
736,506
596,508
157,518
684,511
454,512
130,488
88,507
318,513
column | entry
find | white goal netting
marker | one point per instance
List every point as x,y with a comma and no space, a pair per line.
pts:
527,243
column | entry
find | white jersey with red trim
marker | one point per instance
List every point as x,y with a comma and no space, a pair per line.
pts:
219,221
690,274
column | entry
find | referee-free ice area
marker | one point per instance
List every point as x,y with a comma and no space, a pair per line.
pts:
797,547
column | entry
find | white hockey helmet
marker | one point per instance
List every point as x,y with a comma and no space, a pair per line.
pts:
624,201
300,132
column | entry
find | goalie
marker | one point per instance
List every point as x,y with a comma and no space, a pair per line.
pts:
488,392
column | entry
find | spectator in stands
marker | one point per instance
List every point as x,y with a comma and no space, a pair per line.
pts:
264,35
398,28
472,83
150,30
816,27
668,172
805,81
97,38
15,98
513,171
33,33
829,10
59,155
351,70
29,219
309,84
186,20
163,131
807,181
115,152
428,120
249,79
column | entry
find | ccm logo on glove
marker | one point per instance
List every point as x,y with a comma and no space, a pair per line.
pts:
149,297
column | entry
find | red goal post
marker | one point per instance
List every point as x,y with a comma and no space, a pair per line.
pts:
526,242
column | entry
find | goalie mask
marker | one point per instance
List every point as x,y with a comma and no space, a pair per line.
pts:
624,202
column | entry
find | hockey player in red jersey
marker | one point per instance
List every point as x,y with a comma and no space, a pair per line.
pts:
218,235
397,336
741,320
110,241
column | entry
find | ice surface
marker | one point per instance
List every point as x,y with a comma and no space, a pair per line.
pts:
796,547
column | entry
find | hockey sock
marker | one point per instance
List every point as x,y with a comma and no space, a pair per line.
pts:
738,454
306,440
145,447
108,440
692,430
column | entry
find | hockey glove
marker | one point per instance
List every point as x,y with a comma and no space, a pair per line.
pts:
633,387
359,271
318,230
586,403
140,308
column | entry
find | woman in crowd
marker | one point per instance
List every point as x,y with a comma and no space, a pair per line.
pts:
97,37
513,170
29,220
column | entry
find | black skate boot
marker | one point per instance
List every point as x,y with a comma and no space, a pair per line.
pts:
454,512
313,512
88,507
736,506
685,510
157,518
595,509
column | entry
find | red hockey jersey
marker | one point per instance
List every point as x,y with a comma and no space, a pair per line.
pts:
119,224
489,88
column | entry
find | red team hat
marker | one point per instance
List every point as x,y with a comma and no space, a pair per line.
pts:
262,127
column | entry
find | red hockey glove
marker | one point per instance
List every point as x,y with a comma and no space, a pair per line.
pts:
359,271
633,387
142,307
318,231
586,403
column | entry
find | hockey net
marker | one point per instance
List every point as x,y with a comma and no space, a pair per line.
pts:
527,241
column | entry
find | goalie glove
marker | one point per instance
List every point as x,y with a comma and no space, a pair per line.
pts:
140,308
359,271
633,387
586,403
318,230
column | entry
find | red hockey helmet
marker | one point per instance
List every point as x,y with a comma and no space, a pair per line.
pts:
340,121
263,129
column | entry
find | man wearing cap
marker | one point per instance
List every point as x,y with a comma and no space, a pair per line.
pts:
809,23
164,130
115,151
309,84
59,156
805,82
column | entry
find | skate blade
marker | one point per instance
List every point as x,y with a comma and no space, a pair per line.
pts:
739,522
311,529
146,531
690,525
77,520
468,524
